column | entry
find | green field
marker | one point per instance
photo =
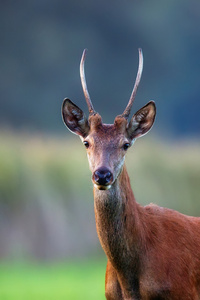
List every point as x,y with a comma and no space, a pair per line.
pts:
73,281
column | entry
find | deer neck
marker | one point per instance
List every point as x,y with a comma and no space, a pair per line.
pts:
117,221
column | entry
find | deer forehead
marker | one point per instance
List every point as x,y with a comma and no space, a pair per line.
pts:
107,135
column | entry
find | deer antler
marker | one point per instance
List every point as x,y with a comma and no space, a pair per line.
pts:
84,84
127,110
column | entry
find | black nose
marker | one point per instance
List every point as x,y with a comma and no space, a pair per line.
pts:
102,176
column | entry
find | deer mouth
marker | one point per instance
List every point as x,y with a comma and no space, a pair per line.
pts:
102,187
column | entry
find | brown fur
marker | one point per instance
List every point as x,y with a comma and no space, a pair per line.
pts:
95,121
153,252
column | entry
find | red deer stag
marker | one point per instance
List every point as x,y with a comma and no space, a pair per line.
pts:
152,252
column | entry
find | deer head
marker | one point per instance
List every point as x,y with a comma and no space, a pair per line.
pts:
107,144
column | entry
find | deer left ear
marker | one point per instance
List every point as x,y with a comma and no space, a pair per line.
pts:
142,121
74,118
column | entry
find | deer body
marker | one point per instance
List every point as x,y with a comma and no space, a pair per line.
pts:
153,252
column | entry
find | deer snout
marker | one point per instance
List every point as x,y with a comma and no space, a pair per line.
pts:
102,178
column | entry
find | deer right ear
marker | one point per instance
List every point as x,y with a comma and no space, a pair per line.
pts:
142,121
74,118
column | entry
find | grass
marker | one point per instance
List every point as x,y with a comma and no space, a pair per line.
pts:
73,281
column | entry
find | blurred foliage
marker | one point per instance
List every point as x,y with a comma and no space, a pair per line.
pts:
46,200
41,46
75,280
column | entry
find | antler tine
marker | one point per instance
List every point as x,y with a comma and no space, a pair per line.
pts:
84,84
127,110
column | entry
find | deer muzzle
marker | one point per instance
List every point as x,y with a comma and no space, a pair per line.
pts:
102,178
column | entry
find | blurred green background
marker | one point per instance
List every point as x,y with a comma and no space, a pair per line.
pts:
48,243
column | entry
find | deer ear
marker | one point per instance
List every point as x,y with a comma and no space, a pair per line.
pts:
142,121
74,118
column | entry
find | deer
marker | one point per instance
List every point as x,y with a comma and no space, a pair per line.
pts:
152,252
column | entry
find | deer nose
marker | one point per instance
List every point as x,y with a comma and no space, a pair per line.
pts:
102,176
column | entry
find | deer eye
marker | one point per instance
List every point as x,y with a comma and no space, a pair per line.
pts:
86,144
126,146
